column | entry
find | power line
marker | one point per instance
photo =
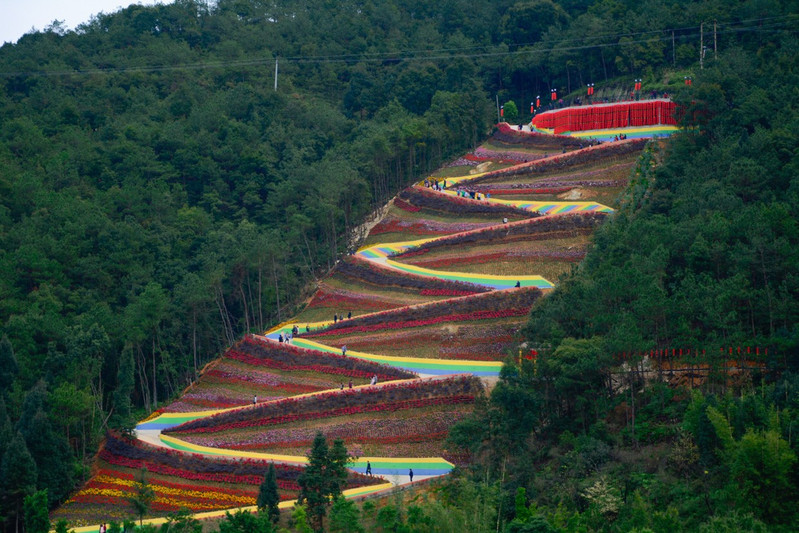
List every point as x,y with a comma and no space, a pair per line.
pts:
565,45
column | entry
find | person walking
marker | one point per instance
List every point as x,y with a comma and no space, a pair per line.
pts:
410,474
368,468
344,350
254,399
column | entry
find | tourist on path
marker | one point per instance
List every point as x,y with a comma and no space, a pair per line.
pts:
410,474
368,468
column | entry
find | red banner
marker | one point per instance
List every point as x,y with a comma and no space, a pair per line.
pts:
599,117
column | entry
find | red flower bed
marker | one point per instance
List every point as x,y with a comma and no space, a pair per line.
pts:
424,227
260,352
551,190
342,411
347,401
476,315
395,439
571,256
362,271
180,486
157,468
443,292
550,227
244,358
430,199
603,152
291,388
341,299
405,206
507,134
517,299
196,467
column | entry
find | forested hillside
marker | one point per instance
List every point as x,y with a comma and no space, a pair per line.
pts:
663,391
161,195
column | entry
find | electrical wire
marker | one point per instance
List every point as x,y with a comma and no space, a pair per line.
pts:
763,25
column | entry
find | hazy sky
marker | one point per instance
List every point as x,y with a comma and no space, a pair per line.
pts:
17,17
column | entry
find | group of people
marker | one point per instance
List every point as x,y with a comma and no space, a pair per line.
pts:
620,137
474,195
288,337
340,316
435,185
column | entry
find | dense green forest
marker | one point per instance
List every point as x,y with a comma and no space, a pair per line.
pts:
159,197
701,255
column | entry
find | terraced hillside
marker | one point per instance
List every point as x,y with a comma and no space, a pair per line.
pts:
388,351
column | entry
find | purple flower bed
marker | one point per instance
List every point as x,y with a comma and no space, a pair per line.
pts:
564,161
392,224
507,135
519,157
429,199
549,226
501,300
342,400
282,355
431,423
361,270
463,162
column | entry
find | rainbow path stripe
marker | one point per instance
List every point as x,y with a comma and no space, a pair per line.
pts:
288,504
640,132
389,466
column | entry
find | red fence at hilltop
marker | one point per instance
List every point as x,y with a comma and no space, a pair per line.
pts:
606,116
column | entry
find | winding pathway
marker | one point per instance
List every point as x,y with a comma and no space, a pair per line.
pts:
393,469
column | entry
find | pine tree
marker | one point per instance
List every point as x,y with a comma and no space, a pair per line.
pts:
122,418
337,470
314,483
54,460
143,497
6,428
18,472
323,479
8,365
37,519
268,497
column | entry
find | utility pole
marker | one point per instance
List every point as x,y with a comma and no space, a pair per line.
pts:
702,45
497,96
673,54
276,73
